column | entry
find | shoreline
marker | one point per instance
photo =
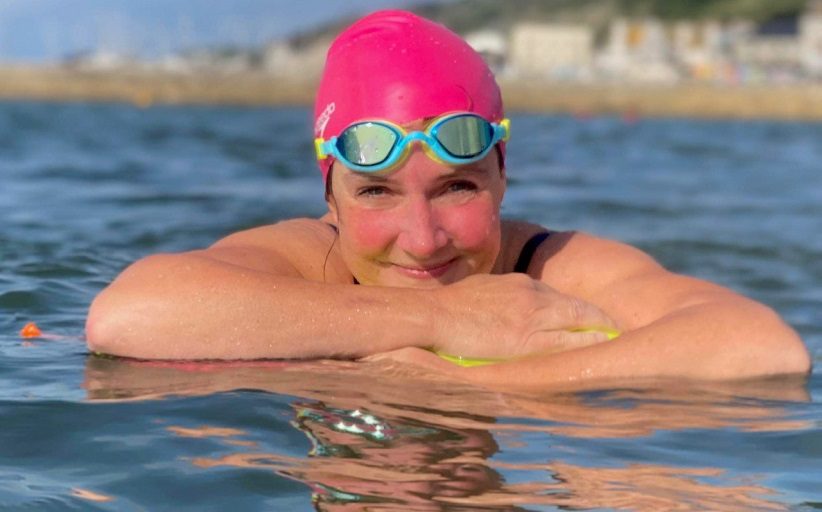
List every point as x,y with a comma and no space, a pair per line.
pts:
801,102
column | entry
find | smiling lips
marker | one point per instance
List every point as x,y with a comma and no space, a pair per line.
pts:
426,272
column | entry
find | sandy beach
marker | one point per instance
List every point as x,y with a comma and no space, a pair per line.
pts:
145,88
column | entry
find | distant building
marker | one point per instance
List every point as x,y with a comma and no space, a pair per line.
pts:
697,47
703,50
638,51
492,45
773,49
221,61
556,51
810,39
100,60
296,58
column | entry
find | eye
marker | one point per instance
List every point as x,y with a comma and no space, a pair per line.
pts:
461,186
373,191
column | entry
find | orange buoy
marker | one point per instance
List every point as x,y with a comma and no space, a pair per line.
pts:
30,330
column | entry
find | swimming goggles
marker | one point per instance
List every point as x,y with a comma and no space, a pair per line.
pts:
374,146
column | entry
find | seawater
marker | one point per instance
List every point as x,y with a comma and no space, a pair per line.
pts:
85,189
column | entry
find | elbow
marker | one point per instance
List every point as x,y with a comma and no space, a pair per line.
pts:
779,349
797,359
103,330
750,342
120,317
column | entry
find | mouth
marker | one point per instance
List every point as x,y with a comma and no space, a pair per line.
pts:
432,271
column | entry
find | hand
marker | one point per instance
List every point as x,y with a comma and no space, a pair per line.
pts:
502,316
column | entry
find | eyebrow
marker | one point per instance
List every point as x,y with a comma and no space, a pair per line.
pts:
457,172
360,176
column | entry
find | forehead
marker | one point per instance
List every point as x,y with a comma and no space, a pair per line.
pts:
421,166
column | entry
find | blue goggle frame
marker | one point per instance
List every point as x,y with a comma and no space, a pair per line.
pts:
435,144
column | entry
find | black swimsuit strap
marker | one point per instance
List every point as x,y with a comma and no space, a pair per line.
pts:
528,251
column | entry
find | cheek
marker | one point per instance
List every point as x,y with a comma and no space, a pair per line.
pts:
473,225
369,231
470,226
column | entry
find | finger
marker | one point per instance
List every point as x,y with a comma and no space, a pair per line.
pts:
571,313
551,342
410,355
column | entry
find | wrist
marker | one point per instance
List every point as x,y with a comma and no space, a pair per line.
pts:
439,324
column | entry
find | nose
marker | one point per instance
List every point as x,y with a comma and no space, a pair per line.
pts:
422,234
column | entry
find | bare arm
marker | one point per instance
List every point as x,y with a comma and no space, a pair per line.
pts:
273,293
191,306
252,295
673,326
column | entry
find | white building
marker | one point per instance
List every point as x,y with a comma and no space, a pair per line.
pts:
810,39
775,44
296,59
556,51
697,44
639,51
101,60
493,47
704,49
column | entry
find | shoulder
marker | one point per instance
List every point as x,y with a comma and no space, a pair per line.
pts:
584,248
568,257
590,267
302,245
303,232
567,252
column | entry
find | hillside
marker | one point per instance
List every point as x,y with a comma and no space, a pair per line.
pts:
467,15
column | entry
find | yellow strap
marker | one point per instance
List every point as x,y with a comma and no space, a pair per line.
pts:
469,361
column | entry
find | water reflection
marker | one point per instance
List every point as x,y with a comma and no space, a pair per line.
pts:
409,463
383,438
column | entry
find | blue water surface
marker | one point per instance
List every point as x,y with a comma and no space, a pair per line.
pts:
88,188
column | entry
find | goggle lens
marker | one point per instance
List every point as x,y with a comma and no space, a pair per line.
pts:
465,136
367,143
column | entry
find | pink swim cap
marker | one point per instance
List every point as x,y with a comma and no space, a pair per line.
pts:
397,66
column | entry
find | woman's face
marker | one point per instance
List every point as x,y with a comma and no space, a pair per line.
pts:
424,225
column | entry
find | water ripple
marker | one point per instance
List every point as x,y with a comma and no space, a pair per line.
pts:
90,188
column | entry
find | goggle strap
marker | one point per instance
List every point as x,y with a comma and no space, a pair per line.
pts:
506,126
319,148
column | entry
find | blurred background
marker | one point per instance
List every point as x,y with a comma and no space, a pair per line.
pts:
738,58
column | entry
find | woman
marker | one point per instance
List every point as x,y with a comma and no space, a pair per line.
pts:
413,255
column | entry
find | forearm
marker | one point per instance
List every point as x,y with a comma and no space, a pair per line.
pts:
717,340
184,307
